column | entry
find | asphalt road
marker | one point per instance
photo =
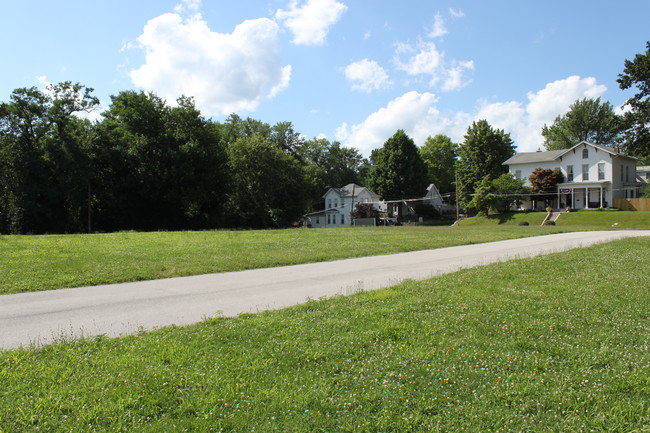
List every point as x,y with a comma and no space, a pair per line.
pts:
42,317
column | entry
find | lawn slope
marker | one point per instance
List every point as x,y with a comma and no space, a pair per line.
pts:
555,343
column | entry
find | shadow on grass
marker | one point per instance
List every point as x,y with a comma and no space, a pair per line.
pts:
502,217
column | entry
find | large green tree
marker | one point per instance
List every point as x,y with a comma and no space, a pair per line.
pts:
398,171
159,167
589,120
481,154
439,154
45,168
267,184
637,120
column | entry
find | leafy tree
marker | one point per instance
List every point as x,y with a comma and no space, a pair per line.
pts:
398,170
284,136
159,167
365,210
44,163
481,154
267,184
496,194
587,120
637,121
543,181
439,154
328,165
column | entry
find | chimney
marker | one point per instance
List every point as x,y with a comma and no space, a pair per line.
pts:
617,149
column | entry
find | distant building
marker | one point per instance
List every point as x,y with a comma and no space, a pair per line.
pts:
339,203
594,175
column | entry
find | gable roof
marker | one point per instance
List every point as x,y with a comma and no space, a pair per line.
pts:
552,155
351,190
532,157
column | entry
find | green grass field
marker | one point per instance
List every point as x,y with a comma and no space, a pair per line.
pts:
592,219
558,343
32,263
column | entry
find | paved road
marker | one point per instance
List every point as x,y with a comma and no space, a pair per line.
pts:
42,317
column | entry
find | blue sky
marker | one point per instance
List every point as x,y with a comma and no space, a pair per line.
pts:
348,70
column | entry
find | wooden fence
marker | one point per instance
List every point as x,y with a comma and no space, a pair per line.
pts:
640,204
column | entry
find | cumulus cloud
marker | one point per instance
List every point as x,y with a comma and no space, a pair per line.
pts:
418,115
413,112
310,23
367,75
223,72
426,59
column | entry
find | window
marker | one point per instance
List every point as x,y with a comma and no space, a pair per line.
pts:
518,174
329,203
329,221
585,172
621,173
601,171
317,220
569,173
336,202
585,153
627,173
342,219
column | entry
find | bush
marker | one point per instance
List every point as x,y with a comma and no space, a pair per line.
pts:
523,223
550,223
425,210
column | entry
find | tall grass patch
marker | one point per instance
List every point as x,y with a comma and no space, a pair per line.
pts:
555,343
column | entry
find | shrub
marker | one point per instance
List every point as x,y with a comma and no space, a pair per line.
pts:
550,223
523,223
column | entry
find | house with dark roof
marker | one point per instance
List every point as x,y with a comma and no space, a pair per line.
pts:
594,175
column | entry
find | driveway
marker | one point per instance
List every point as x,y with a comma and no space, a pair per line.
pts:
112,310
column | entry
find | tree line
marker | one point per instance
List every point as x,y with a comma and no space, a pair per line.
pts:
147,165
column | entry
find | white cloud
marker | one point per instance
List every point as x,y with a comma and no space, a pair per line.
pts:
426,59
418,115
456,13
311,22
367,75
223,72
413,112
439,28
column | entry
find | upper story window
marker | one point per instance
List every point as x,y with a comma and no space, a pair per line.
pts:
627,173
601,171
585,172
518,174
569,173
585,153
336,202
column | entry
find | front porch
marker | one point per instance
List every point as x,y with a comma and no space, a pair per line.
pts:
584,195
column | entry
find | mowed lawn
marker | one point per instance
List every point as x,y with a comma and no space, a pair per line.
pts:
557,343
32,263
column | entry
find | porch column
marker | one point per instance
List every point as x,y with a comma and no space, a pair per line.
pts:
601,196
587,198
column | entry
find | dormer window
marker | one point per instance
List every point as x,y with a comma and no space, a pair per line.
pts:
585,153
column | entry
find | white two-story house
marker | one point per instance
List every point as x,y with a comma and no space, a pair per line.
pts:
339,203
594,175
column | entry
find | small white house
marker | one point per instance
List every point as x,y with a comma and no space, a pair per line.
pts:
594,175
339,203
